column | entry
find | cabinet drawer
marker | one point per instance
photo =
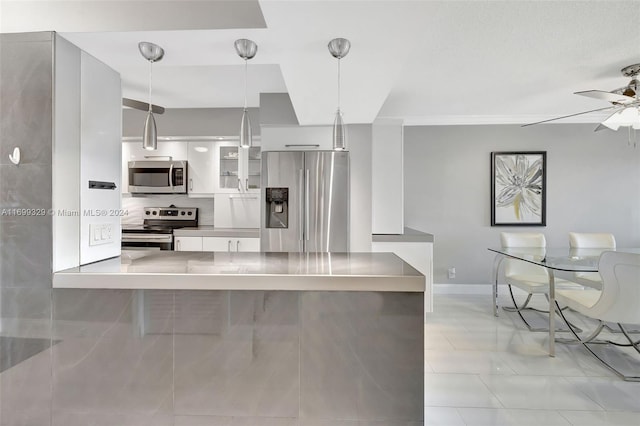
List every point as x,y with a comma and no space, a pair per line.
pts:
216,244
247,244
230,244
187,244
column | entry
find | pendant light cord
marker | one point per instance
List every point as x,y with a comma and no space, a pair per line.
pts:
245,82
150,81
338,84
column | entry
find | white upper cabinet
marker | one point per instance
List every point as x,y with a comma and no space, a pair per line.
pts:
297,138
237,210
238,168
201,169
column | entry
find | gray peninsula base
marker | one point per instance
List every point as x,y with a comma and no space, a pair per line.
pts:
226,357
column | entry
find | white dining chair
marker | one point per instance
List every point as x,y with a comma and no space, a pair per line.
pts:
588,244
618,302
530,278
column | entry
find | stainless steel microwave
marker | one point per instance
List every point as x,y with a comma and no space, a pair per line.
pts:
158,177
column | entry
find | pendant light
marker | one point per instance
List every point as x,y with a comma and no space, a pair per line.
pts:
152,53
339,47
246,49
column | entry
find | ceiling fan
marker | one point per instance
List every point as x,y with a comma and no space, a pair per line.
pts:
142,106
625,103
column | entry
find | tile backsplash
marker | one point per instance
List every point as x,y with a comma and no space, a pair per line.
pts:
134,206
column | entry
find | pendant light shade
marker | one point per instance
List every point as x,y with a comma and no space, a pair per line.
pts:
339,133
339,47
152,53
150,134
245,130
246,49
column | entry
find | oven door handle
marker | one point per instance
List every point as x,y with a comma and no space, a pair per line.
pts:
133,237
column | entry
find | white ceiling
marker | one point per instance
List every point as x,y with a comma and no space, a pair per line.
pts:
426,62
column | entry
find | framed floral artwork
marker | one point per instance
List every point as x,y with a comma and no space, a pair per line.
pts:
518,188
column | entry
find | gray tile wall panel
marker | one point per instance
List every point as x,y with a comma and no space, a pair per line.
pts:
25,241
237,358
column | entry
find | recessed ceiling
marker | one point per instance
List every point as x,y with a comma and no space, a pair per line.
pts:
426,62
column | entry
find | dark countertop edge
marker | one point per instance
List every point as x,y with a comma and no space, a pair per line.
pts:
410,236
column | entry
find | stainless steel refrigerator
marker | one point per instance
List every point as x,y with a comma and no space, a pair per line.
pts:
305,201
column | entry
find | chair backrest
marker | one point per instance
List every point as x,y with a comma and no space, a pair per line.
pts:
523,240
590,244
591,240
620,297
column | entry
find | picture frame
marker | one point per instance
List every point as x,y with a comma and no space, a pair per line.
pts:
519,188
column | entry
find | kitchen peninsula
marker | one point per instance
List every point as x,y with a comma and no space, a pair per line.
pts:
309,337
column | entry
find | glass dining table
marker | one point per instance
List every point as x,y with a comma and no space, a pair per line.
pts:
559,262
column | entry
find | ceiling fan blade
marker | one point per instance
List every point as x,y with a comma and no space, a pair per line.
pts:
601,127
142,106
570,115
607,96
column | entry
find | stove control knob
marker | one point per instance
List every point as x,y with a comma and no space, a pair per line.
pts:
155,213
147,212
190,213
182,213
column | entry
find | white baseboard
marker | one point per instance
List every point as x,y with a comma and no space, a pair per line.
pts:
462,289
475,288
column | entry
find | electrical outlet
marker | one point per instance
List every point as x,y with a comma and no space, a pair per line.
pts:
100,233
451,272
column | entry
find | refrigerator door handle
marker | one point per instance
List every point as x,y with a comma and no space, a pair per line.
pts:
306,204
300,210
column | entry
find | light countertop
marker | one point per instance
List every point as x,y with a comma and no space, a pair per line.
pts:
211,231
169,270
409,236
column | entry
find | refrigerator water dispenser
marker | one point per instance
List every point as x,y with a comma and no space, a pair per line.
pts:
277,200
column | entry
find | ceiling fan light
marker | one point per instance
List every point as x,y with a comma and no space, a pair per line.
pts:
245,130
628,117
150,133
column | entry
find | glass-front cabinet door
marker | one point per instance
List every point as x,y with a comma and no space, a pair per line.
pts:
229,167
239,168
252,176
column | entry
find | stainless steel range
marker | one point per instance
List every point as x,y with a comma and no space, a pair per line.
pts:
158,226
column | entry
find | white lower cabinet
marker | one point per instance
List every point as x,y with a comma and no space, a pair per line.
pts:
230,244
187,244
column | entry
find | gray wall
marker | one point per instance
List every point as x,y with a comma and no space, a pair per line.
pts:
276,109
593,185
191,121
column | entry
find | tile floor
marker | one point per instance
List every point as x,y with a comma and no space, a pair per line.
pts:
483,370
